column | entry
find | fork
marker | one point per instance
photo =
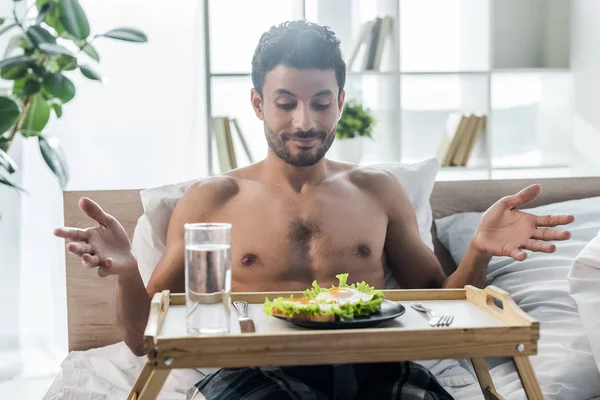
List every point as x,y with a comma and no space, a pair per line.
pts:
434,320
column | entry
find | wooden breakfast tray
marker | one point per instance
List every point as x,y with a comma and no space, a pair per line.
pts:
480,329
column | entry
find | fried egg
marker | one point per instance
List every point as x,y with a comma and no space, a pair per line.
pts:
347,295
300,302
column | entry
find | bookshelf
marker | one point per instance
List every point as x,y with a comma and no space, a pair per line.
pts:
505,59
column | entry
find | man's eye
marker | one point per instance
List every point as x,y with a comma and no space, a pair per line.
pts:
286,106
321,107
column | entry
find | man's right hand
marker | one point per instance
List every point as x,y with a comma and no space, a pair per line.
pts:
105,246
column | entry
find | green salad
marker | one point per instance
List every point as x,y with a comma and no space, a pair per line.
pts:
345,301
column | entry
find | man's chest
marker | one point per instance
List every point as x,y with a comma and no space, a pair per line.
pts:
282,240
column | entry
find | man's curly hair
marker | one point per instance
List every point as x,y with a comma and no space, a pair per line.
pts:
297,44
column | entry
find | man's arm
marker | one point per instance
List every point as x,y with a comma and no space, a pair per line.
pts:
198,204
108,248
503,231
412,263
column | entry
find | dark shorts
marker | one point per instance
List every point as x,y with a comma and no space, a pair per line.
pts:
399,380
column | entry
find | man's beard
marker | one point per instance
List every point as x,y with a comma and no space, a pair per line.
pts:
279,145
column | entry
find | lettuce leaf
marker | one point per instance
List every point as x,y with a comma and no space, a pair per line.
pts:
346,312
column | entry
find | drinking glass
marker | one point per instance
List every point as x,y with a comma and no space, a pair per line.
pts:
207,277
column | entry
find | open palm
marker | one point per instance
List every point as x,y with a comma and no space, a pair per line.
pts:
505,230
105,246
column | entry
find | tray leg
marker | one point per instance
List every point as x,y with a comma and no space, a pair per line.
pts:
485,380
528,379
149,383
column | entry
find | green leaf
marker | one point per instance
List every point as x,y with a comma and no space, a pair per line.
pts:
55,158
126,34
66,63
39,35
5,181
36,118
13,73
18,86
2,20
15,42
52,15
7,163
7,28
60,87
9,113
73,18
54,49
3,142
39,70
15,61
42,12
32,86
91,51
89,73
57,109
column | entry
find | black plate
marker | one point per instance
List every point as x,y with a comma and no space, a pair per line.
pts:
389,310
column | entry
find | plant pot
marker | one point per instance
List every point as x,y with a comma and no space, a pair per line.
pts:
348,150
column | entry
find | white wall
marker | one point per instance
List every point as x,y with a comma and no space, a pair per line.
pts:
531,33
144,127
585,64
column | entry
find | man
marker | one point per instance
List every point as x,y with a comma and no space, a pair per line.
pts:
298,217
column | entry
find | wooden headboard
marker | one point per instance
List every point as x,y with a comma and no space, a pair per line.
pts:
90,299
91,314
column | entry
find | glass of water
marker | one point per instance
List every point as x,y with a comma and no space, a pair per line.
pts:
207,277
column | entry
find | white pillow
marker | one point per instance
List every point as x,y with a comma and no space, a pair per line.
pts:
584,287
149,239
564,365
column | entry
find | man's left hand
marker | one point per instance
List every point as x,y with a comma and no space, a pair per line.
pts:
506,231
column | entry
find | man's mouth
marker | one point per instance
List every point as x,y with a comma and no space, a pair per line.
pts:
305,142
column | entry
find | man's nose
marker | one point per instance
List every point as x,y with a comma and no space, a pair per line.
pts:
303,119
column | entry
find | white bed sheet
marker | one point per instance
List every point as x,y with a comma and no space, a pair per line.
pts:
108,373
564,365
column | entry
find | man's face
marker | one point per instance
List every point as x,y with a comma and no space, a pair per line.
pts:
300,109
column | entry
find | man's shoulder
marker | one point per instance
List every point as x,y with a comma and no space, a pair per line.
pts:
372,179
223,187
216,189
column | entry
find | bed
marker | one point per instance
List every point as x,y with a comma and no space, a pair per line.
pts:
100,366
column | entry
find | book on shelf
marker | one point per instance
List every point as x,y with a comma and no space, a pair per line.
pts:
459,138
370,43
222,132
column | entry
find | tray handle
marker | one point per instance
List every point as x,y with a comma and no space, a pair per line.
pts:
499,303
158,310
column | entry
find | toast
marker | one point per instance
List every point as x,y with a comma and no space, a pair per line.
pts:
304,316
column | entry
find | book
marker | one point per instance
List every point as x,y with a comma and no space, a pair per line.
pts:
454,126
385,33
360,43
463,139
478,131
229,141
243,142
220,127
372,45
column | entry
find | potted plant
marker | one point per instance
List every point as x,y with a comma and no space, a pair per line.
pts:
51,41
355,124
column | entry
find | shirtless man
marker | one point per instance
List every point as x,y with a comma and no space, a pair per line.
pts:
298,217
